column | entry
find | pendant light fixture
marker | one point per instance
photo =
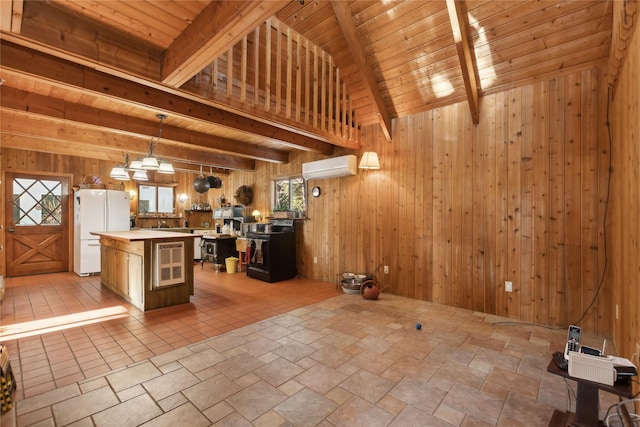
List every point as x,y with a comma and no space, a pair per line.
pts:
136,165
165,168
151,162
140,175
121,172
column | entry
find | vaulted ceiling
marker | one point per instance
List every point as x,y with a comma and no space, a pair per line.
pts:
242,81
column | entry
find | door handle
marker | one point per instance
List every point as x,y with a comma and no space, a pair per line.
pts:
10,229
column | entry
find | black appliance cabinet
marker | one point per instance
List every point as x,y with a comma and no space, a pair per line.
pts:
218,249
273,256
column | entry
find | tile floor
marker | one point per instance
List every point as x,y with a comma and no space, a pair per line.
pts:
246,352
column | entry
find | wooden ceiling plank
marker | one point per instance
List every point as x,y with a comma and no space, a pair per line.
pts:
18,100
6,8
459,26
11,14
218,27
348,26
83,78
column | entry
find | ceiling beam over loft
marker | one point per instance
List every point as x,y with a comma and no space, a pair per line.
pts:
348,27
459,24
42,105
218,27
78,77
29,132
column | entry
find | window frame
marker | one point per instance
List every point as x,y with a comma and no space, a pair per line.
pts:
291,196
157,199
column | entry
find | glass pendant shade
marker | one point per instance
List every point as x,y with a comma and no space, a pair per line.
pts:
150,163
136,165
119,174
166,168
369,160
140,176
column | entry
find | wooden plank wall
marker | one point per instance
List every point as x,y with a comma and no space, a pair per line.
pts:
623,230
457,209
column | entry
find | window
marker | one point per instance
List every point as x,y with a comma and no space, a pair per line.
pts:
289,195
37,202
156,198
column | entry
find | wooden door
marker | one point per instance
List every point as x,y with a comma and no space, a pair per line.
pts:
37,223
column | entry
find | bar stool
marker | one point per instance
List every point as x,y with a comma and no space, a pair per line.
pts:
244,253
245,258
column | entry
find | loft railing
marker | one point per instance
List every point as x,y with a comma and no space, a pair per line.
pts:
277,74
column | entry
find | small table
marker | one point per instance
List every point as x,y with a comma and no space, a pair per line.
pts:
587,404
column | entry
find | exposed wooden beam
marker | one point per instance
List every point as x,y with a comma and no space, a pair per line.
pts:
53,30
348,26
217,28
19,100
459,24
30,132
78,77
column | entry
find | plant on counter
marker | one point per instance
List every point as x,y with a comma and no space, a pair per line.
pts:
244,195
281,210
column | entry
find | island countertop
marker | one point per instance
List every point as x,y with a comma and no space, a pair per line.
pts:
146,234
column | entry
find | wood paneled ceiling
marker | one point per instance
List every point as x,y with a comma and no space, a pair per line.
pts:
243,81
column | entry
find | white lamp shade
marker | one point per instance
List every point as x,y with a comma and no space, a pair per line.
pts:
119,173
136,165
369,160
166,168
150,163
140,176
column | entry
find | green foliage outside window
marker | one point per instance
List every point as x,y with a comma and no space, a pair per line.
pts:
289,195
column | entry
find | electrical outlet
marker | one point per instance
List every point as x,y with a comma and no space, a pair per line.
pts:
386,269
315,259
508,286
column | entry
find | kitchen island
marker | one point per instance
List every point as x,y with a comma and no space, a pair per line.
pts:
149,268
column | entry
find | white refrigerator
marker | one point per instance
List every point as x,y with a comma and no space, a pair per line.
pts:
96,210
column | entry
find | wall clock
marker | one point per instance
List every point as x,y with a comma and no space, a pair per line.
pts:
315,192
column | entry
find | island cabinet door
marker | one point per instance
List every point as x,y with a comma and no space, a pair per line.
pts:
136,278
121,262
105,273
115,270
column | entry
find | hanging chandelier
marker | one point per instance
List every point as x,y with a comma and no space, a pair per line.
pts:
148,163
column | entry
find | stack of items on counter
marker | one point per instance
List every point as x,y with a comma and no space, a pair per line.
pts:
7,380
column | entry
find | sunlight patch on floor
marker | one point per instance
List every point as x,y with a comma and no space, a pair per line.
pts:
37,327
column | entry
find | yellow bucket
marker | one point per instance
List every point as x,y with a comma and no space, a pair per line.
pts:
232,264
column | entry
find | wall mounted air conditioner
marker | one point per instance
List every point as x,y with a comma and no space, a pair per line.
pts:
330,168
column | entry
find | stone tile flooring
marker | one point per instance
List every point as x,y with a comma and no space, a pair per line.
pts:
339,361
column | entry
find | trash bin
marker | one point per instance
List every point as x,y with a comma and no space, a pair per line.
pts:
232,264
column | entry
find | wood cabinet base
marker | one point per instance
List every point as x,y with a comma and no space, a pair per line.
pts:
128,268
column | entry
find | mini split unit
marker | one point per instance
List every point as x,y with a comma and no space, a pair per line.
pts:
330,168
